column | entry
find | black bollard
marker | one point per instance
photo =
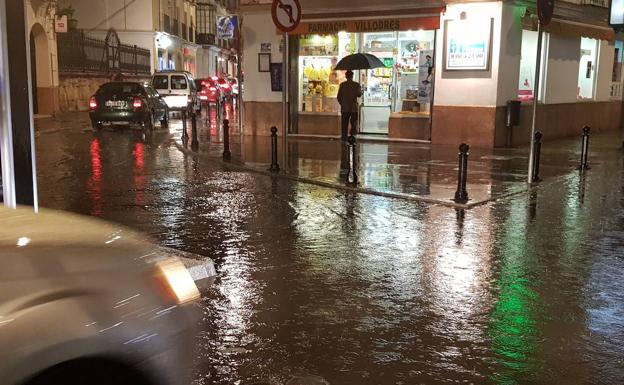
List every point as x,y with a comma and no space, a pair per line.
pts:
274,165
536,156
461,195
227,155
194,140
585,149
184,133
352,178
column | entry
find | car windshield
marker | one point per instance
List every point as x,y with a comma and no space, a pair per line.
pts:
121,88
178,82
161,82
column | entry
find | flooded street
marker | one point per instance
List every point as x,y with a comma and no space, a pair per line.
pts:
351,288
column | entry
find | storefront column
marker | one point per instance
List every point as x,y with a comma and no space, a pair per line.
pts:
469,102
18,137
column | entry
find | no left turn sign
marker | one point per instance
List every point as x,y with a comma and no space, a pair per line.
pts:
286,14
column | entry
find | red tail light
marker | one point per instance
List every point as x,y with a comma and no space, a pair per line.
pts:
137,102
92,103
213,89
226,86
189,100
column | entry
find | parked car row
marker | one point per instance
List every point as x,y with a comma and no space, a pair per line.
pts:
216,89
145,104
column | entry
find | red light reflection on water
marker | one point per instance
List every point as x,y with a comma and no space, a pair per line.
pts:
94,185
138,173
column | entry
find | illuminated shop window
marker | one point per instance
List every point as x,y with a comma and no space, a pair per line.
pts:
526,87
587,68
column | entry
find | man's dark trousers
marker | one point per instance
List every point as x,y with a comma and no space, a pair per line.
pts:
346,118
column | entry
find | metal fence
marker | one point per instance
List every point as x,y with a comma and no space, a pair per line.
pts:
78,52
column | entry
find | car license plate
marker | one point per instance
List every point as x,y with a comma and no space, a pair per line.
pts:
116,103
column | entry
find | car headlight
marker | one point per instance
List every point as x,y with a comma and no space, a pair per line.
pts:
175,282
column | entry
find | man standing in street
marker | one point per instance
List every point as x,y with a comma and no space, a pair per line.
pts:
348,95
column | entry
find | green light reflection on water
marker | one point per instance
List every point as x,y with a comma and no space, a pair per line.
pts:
513,330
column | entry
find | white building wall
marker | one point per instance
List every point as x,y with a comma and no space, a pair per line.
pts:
258,28
469,88
103,15
510,53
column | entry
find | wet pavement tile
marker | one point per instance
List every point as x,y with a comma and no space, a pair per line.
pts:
318,285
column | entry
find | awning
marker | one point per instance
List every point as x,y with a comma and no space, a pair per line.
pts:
426,19
570,28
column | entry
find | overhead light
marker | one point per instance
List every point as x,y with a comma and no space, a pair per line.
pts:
23,241
163,41
175,282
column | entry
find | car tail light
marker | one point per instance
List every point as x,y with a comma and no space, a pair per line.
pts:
137,102
93,103
203,97
215,78
189,100
174,282
226,86
213,89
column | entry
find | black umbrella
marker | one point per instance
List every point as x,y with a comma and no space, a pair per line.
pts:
359,61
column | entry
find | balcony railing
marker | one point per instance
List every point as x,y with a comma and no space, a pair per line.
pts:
597,3
205,38
78,52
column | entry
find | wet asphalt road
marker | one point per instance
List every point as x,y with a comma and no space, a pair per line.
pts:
359,289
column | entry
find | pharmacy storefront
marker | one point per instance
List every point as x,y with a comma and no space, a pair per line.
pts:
396,99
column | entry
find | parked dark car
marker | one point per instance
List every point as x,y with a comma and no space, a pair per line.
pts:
128,103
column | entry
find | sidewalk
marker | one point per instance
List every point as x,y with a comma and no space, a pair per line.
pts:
419,172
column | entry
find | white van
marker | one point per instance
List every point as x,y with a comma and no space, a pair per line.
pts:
178,89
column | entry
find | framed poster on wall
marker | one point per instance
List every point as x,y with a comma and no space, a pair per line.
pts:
276,77
467,44
264,62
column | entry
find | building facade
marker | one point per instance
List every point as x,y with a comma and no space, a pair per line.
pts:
166,27
450,69
217,56
44,64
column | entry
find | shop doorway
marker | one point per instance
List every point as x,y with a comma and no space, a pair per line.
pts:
404,85
377,84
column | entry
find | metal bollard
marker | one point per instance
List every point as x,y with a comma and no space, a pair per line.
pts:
585,149
461,195
194,141
227,155
274,165
536,156
352,178
184,133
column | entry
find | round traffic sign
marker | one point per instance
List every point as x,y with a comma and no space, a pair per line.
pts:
545,9
286,14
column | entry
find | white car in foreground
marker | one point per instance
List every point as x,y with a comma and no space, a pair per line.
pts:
84,301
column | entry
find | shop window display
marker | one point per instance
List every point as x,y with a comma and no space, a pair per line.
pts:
403,86
319,82
587,68
527,65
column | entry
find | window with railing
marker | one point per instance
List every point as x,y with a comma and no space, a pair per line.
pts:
175,29
166,23
205,19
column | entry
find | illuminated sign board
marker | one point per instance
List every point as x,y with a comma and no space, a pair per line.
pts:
616,12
